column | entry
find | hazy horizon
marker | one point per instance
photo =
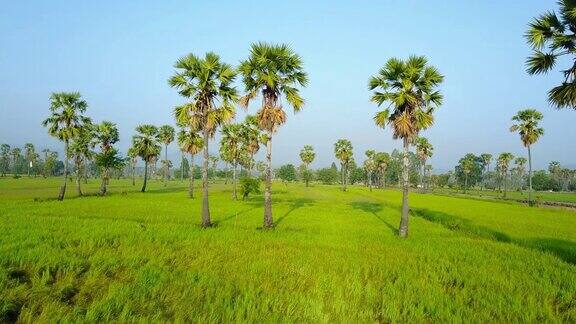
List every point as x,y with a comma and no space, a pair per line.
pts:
120,55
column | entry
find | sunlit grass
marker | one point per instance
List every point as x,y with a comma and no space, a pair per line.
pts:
333,256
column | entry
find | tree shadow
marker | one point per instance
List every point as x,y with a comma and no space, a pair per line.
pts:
234,215
563,249
374,209
297,203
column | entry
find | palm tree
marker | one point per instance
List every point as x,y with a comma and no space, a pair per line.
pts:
409,89
80,150
146,145
166,136
526,124
382,160
45,172
275,71
208,84
467,165
16,152
369,166
424,150
520,163
343,152
29,152
191,143
551,37
133,155
65,122
307,156
504,160
486,159
5,158
251,138
231,142
107,135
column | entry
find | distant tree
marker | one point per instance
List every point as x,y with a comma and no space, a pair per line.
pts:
16,156
486,160
249,185
520,169
327,175
551,37
275,71
467,166
192,143
107,135
424,150
80,150
145,143
504,160
29,153
251,137
369,167
4,159
133,156
287,173
343,152
381,161
231,142
526,124
65,122
208,84
166,136
408,89
307,156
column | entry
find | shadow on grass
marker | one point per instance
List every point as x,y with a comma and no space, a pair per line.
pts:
217,222
296,204
565,250
374,209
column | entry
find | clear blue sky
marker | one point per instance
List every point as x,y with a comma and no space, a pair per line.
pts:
119,54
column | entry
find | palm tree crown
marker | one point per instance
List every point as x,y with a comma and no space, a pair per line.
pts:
145,142
551,37
526,124
307,154
66,119
409,88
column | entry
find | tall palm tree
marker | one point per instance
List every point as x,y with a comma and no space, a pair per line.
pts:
274,71
107,135
553,36
467,165
231,142
45,172
526,124
307,155
190,142
486,159
80,150
381,161
145,143
16,152
343,152
29,153
166,136
424,151
504,160
520,163
208,84
409,89
65,121
133,156
252,137
369,166
5,158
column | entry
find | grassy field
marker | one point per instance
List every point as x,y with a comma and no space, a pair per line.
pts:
540,196
333,257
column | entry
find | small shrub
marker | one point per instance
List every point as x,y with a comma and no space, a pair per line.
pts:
249,185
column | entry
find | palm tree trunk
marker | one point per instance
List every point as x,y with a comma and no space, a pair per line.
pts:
529,176
465,182
206,222
403,230
234,195
370,180
226,173
191,184
505,184
104,182
166,166
145,176
182,167
268,221
28,168
63,187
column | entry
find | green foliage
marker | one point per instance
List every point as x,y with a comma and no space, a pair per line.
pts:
249,185
287,173
327,175
469,169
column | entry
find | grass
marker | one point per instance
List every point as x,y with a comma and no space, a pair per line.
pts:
333,257
541,196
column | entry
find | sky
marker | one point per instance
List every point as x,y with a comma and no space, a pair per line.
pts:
120,54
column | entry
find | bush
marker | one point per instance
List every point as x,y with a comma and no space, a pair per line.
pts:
249,185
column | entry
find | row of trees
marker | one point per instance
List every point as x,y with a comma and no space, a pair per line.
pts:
28,161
